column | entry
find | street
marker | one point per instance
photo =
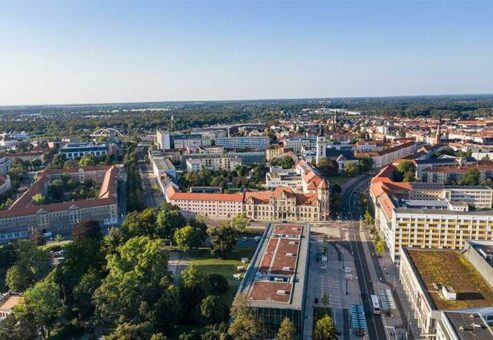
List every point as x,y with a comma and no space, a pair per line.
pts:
152,199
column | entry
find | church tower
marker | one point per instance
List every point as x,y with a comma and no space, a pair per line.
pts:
322,144
323,195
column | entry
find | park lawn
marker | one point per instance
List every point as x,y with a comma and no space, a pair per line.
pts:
207,264
340,180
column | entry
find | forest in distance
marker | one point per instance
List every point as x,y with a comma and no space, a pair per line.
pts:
134,118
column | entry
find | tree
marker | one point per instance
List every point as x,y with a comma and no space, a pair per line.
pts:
169,308
366,164
37,238
240,221
87,229
32,265
223,239
86,160
328,167
325,329
287,330
44,302
38,199
191,289
137,277
245,324
18,325
213,309
379,247
471,177
351,169
169,218
325,299
368,218
187,238
217,283
285,162
406,171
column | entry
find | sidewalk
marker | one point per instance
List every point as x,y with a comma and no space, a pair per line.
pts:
398,326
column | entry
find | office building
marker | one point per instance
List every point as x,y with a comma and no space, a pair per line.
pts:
275,284
249,142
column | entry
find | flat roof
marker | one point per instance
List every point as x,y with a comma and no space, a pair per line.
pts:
485,249
276,277
469,326
450,268
444,212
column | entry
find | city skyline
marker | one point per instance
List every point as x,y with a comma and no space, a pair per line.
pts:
91,52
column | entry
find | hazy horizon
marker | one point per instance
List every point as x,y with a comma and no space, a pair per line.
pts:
89,52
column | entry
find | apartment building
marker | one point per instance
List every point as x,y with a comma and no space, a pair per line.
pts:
4,184
163,140
450,174
213,162
429,217
78,150
249,142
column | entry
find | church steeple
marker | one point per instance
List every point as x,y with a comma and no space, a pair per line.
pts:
321,130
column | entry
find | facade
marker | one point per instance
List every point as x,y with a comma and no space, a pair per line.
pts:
163,140
4,184
5,165
450,174
429,216
213,162
438,282
192,141
23,216
212,205
77,150
310,202
274,286
250,142
387,156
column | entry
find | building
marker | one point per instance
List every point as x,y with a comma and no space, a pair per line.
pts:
212,205
274,286
24,215
4,184
7,303
162,166
442,286
163,140
429,216
213,162
5,165
249,142
310,202
78,150
192,141
451,174
400,150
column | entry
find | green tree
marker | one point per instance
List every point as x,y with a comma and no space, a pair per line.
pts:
18,325
191,289
187,238
86,160
406,171
245,324
223,239
38,199
217,283
368,218
87,229
287,330
240,221
169,219
37,237
325,299
325,329
169,308
32,265
328,167
213,309
366,164
471,177
379,247
351,169
137,277
44,302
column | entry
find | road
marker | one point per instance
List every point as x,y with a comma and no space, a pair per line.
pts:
351,211
371,275
151,198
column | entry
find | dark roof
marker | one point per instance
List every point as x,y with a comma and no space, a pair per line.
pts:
334,154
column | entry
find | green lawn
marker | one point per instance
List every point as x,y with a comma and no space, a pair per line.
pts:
340,180
207,264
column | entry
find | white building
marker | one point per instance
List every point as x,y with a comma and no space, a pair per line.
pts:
78,150
4,184
212,163
5,165
250,142
163,140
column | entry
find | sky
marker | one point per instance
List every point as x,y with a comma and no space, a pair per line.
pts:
62,52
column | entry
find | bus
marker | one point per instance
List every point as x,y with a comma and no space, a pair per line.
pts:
375,304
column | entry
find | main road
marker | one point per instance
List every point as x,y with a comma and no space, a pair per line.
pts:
352,212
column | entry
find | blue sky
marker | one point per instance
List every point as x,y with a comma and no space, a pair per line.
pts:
111,51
